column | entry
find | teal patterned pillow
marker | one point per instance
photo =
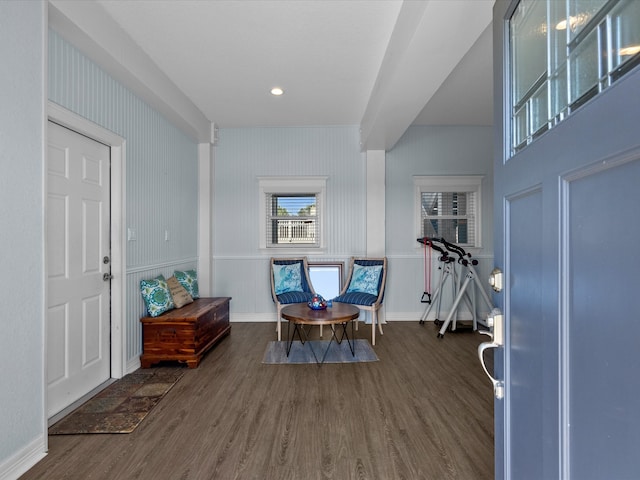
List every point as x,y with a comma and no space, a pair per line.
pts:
287,278
189,280
365,279
156,296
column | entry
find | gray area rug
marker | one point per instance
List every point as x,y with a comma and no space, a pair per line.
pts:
276,352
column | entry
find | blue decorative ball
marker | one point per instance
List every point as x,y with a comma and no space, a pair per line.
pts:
317,303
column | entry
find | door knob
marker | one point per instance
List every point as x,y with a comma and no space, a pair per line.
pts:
495,279
106,277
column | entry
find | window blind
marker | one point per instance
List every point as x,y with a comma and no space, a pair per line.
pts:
292,220
449,215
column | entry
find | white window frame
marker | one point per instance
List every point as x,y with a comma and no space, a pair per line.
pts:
454,183
290,185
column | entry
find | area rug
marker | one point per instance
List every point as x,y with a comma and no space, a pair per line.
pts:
121,406
276,352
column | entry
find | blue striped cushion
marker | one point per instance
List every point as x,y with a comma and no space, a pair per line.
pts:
357,298
294,297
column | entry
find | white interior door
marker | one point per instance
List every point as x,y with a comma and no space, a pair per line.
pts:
78,257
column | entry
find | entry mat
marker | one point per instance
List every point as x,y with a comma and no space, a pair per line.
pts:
122,406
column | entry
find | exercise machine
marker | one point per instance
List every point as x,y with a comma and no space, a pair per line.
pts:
447,276
460,291
464,259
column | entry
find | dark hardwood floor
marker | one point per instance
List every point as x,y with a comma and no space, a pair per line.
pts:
424,411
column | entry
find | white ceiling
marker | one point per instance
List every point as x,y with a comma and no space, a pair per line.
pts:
373,63
466,96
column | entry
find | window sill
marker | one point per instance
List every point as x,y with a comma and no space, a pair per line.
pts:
289,251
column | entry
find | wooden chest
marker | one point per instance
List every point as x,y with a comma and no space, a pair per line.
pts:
185,334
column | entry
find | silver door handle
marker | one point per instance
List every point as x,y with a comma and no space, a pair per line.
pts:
496,280
495,320
106,277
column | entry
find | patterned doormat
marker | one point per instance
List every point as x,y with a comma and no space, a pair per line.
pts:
121,406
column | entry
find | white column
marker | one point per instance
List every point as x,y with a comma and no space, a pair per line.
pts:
376,242
376,203
205,219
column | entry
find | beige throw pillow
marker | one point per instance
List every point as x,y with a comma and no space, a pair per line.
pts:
180,295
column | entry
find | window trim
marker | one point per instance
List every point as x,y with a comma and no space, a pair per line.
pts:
447,183
316,185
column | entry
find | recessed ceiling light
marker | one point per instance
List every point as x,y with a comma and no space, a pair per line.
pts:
277,91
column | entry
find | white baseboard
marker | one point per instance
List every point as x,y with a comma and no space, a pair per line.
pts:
24,459
252,317
410,316
132,365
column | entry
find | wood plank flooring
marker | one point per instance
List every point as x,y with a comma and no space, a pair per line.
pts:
424,411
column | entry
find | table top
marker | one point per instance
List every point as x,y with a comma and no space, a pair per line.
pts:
301,313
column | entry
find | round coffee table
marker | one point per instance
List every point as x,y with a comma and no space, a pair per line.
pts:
300,315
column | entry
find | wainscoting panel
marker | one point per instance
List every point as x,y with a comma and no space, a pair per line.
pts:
136,308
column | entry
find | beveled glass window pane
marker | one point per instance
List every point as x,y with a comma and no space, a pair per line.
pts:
528,46
520,126
558,34
625,35
564,52
580,12
584,66
539,108
558,91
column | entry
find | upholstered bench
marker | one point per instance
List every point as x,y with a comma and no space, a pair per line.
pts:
185,334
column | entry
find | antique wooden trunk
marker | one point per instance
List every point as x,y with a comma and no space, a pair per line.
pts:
185,334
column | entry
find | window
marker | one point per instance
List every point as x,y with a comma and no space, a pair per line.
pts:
292,212
449,208
292,219
563,53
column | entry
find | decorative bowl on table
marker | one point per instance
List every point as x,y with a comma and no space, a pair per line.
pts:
317,303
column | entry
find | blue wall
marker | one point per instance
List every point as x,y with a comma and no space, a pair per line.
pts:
242,155
161,172
22,100
431,150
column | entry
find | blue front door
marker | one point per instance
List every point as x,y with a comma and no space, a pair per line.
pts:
567,230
